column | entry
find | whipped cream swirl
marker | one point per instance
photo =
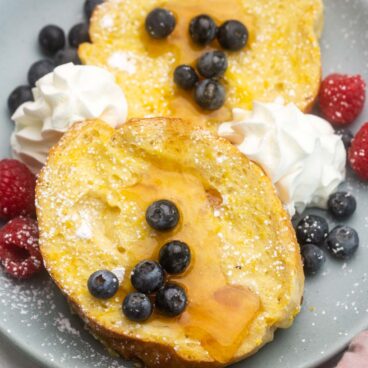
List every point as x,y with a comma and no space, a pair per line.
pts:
69,94
301,154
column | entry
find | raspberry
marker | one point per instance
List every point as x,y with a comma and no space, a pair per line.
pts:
341,98
358,153
17,190
19,249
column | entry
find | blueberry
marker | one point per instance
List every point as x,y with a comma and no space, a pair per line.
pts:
202,29
185,77
346,136
137,307
160,23
209,94
90,6
312,229
313,258
171,300
68,55
341,205
162,215
343,242
212,64
78,34
20,95
147,276
175,257
39,69
233,35
51,39
103,284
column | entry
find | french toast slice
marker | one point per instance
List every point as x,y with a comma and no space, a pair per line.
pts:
246,277
282,58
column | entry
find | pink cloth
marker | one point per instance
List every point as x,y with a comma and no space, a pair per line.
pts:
357,354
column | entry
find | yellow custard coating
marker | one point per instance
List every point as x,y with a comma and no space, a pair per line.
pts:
282,57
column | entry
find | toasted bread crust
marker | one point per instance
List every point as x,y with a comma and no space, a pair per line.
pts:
156,353
153,355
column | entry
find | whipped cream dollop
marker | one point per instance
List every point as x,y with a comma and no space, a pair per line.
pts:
301,154
69,94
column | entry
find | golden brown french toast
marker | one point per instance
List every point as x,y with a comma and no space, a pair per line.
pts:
282,57
246,277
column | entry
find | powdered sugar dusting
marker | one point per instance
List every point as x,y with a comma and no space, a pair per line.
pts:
124,61
107,21
119,273
63,324
84,231
36,313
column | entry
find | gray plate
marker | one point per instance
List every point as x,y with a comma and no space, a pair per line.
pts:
35,316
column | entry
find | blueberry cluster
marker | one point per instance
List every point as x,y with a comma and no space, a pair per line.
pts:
52,41
149,278
313,234
232,35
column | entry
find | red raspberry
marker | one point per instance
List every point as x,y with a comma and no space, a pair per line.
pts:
341,98
358,153
17,190
19,249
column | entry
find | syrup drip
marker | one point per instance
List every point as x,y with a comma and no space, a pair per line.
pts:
218,314
187,52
